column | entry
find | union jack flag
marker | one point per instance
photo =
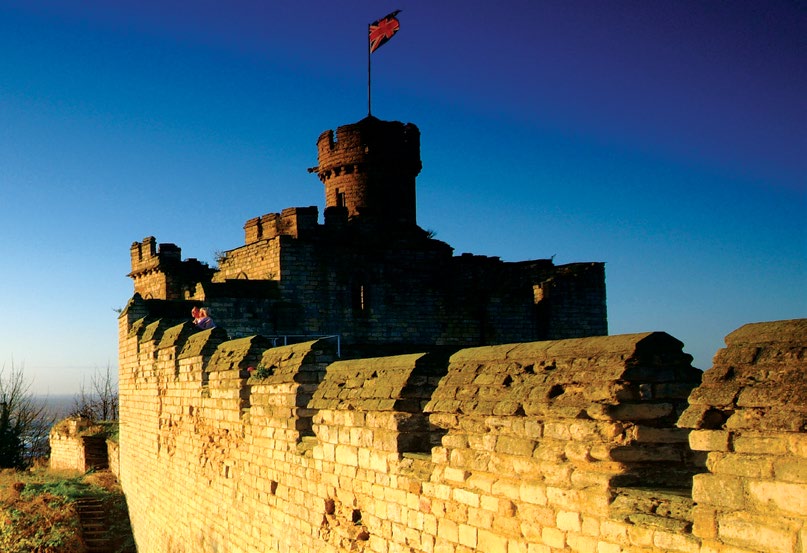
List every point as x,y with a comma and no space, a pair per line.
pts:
382,30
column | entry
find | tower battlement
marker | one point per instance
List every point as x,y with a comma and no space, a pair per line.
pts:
146,255
292,221
370,168
160,272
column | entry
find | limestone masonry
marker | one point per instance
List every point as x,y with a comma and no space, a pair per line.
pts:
468,404
584,445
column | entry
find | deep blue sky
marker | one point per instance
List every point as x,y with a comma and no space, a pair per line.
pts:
667,139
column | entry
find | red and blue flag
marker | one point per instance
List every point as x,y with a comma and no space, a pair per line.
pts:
383,30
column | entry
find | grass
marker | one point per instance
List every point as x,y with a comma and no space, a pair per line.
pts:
38,513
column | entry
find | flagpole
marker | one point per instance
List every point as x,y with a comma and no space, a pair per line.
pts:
369,57
378,32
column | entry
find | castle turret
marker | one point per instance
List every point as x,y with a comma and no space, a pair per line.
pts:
370,170
160,272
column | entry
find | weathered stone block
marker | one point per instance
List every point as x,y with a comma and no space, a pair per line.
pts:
569,521
751,466
760,444
576,451
455,475
742,530
506,487
347,455
515,446
641,536
564,499
607,547
508,526
791,470
554,538
468,536
490,541
480,518
709,440
614,532
466,497
787,497
482,482
797,444
581,544
721,491
448,530
667,541
704,522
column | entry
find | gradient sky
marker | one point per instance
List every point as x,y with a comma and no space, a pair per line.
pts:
665,138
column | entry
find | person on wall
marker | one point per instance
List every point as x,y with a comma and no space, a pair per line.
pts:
201,318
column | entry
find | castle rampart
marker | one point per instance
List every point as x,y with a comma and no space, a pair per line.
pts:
369,273
292,221
750,417
551,437
569,445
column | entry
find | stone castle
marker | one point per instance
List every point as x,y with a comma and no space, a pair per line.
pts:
369,274
493,414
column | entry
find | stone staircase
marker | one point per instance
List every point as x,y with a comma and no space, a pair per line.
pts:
94,525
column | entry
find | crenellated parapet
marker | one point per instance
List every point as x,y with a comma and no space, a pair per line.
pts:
571,300
370,168
161,273
594,416
571,444
282,383
292,221
381,399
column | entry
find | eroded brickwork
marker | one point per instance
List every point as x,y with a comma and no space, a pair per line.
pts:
750,415
567,445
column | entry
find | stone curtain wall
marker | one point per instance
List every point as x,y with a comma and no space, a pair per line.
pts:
576,301
750,415
257,260
541,434
75,444
66,446
539,447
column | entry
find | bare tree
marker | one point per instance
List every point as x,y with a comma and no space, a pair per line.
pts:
24,425
106,390
83,405
101,402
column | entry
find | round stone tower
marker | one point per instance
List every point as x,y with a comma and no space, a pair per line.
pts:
370,169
